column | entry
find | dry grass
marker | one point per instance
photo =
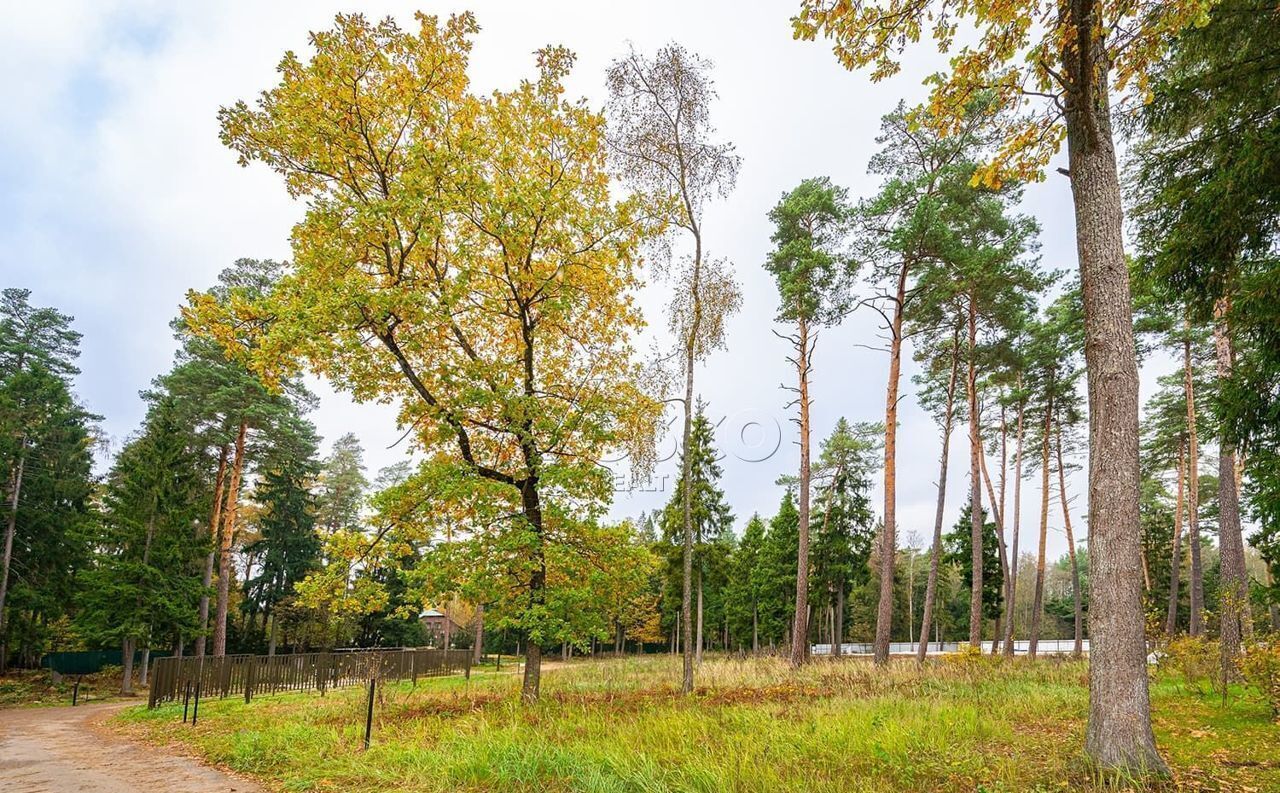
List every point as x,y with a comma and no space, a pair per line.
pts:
752,724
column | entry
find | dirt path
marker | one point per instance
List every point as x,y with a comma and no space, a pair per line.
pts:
67,750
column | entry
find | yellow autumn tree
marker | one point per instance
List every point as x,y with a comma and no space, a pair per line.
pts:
1054,69
461,256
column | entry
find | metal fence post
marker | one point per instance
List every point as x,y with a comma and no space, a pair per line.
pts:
75,691
195,711
368,719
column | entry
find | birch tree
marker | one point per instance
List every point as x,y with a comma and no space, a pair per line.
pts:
663,143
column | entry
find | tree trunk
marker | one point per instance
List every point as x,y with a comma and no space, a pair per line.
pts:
10,530
146,662
998,512
975,483
698,640
1175,565
1017,525
1273,609
838,639
935,554
215,521
1118,737
477,645
1038,601
755,628
800,624
530,685
1235,591
888,537
226,534
686,477
126,657
1076,594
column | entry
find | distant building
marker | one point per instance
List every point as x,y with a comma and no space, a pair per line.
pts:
436,624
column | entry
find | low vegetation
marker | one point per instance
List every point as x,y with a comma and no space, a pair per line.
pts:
24,687
965,723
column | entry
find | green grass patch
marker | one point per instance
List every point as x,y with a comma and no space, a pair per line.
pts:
620,725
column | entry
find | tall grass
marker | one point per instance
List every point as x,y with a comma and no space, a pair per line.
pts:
752,724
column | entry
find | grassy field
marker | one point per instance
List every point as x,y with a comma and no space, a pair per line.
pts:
618,725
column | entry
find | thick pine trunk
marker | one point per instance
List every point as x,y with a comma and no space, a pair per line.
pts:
888,537
1118,737
975,483
1235,592
935,553
1175,564
800,624
1037,605
226,534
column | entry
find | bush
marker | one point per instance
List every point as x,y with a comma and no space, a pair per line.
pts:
1196,660
1260,667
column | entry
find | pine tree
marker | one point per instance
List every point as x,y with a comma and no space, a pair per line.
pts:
743,592
139,588
813,269
709,515
845,531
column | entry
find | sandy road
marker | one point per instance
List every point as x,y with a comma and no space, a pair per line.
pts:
67,750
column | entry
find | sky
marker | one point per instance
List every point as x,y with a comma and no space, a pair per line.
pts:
116,197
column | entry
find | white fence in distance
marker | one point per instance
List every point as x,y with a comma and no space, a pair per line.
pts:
1044,647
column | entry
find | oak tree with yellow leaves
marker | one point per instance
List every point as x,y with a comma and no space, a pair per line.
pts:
461,256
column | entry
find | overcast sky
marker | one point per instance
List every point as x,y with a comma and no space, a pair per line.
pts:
116,197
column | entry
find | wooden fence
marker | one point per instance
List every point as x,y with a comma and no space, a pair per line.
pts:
250,675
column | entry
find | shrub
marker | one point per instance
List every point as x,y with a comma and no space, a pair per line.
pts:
1196,660
1260,667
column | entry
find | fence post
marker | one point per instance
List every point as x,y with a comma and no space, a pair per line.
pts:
186,700
249,675
368,719
195,711
75,691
